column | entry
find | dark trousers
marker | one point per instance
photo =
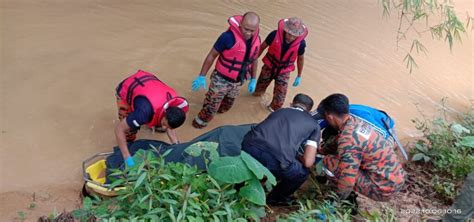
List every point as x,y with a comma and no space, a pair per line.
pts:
463,206
279,89
289,178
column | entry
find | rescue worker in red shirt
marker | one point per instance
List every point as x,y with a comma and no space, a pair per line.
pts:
143,99
237,52
286,45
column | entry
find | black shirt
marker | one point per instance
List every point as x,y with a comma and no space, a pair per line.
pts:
283,132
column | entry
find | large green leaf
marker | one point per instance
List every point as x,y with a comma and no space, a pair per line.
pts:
87,203
138,159
418,157
459,129
230,169
253,192
196,149
467,141
257,168
140,180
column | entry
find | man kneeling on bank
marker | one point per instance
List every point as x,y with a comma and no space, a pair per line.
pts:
275,143
361,158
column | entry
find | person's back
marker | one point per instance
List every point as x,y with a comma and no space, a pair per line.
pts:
377,156
275,143
144,99
282,133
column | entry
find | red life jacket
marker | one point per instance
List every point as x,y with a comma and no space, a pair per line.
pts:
158,94
273,58
231,62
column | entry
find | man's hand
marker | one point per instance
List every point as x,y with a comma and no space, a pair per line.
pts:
172,136
120,130
297,81
129,161
199,82
309,156
252,85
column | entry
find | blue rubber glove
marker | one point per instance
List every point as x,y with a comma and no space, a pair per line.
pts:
252,85
199,82
129,161
321,216
297,81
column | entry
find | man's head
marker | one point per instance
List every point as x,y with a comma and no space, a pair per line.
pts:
289,37
174,118
249,24
335,109
293,28
303,101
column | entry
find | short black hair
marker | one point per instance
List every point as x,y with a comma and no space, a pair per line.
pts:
175,117
303,99
337,104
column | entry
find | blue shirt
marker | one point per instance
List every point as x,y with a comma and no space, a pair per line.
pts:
285,45
142,113
376,118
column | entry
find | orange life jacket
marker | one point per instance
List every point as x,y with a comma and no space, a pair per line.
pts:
274,59
160,95
231,62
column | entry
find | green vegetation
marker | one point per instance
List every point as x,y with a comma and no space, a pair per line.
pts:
32,206
317,210
316,206
160,191
53,215
21,215
417,17
447,148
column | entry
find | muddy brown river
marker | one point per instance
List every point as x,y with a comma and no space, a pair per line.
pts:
61,60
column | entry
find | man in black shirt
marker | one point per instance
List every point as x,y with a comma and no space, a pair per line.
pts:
276,141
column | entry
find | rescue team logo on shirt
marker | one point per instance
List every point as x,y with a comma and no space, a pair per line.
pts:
364,130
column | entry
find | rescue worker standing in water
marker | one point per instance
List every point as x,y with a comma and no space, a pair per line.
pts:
286,45
237,52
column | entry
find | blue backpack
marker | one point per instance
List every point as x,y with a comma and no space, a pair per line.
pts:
379,119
